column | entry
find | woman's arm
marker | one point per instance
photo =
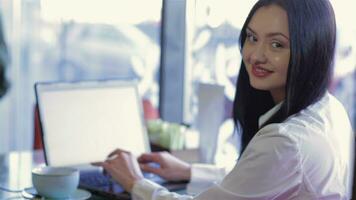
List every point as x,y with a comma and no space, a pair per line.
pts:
269,169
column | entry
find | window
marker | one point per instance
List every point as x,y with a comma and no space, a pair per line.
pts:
68,40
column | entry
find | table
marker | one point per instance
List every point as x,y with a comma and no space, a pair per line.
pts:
16,167
15,172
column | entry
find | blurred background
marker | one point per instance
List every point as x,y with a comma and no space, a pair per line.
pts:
170,46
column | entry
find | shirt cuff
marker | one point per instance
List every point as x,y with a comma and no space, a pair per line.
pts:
145,189
204,176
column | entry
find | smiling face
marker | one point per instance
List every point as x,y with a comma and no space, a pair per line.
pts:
266,50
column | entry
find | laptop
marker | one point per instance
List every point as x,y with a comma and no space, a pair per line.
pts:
82,122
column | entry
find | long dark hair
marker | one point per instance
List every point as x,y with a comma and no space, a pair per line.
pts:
312,31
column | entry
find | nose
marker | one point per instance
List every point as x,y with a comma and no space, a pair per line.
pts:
258,54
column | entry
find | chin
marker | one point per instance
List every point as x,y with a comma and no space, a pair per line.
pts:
259,86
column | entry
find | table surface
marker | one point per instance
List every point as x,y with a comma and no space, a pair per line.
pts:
15,172
16,167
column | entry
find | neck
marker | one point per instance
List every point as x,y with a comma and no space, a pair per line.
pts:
278,95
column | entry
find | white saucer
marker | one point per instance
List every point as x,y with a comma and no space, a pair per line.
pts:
79,194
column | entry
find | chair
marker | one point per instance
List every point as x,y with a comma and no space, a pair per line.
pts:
37,143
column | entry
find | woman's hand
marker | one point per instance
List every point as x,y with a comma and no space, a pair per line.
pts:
123,167
170,167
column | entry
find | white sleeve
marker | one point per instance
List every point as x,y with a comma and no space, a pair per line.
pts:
270,168
148,190
204,176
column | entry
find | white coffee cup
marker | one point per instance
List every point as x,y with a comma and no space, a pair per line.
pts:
55,182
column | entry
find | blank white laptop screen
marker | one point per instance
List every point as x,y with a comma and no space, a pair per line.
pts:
83,122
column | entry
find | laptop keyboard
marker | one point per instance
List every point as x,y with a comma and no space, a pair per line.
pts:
103,185
95,179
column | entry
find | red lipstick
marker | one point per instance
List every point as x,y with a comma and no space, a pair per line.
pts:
260,72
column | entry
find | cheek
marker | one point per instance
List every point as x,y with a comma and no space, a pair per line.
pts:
245,54
281,62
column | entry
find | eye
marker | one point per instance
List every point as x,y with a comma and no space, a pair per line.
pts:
251,38
277,45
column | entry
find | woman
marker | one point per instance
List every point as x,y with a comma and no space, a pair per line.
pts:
297,138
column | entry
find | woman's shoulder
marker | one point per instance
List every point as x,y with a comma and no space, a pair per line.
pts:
321,117
316,116
321,128
322,122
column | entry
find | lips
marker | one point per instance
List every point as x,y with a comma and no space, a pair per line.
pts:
260,71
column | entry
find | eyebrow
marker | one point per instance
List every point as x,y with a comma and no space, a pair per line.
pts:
269,34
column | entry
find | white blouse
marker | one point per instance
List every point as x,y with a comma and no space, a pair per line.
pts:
308,156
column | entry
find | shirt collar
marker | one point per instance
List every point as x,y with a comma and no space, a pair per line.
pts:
263,119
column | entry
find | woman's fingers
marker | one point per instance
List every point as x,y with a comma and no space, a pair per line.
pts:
117,151
148,168
104,165
150,157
